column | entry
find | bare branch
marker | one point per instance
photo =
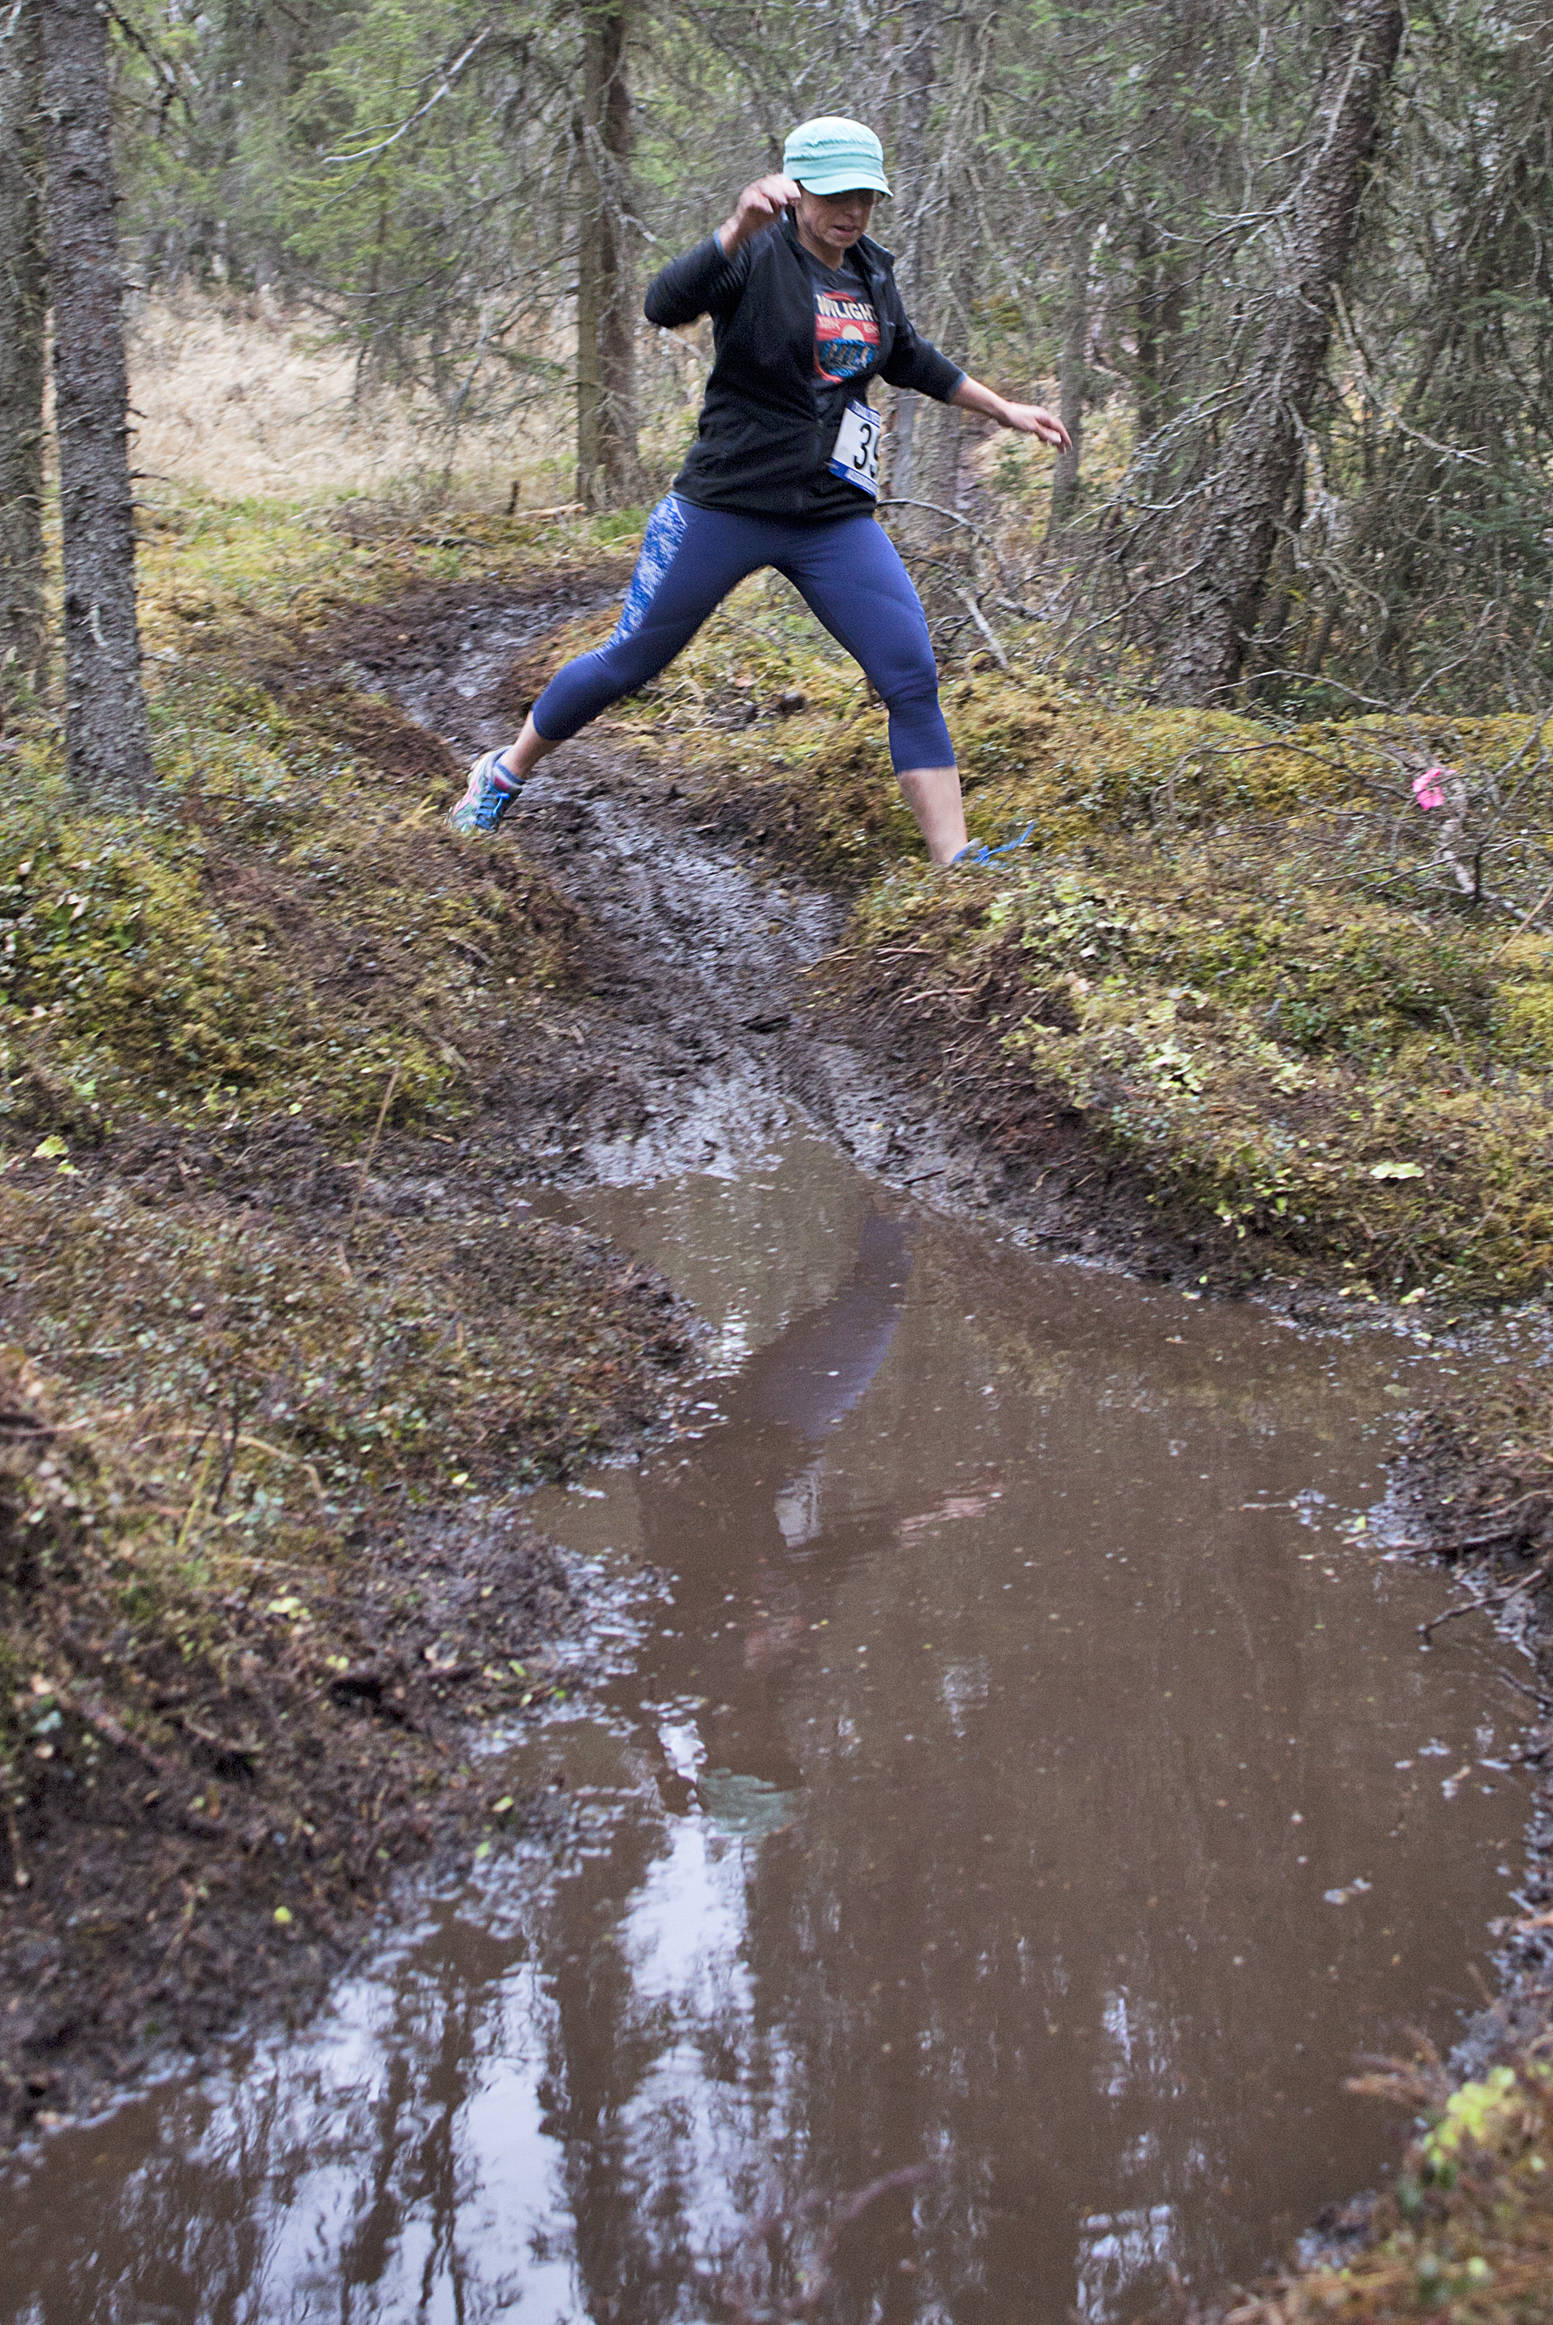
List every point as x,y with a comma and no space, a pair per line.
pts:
443,89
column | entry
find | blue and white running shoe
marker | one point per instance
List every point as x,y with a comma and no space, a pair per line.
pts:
978,852
485,800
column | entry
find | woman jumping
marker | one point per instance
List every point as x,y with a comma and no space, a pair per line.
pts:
784,470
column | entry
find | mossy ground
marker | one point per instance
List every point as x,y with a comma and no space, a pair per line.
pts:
282,1350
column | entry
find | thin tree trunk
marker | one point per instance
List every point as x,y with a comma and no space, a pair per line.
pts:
1232,545
1070,392
911,179
1160,314
607,470
105,725
941,114
23,630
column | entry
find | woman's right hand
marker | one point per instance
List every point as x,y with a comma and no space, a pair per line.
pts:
759,206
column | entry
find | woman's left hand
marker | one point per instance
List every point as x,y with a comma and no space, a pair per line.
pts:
1036,420
1025,419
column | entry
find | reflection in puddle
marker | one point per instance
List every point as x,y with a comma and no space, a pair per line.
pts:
1021,1774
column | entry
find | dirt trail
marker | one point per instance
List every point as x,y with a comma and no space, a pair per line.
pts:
698,1037
693,1038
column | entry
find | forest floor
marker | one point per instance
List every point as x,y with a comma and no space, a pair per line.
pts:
287,1345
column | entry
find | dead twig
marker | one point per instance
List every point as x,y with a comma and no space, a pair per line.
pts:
444,88
366,1162
194,1502
96,1716
461,945
1492,1601
1526,918
985,627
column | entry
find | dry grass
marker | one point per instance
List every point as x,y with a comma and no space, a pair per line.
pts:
242,396
239,395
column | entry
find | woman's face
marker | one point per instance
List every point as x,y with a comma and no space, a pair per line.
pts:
833,222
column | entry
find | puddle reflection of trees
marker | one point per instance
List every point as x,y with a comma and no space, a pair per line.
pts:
949,1835
1050,1928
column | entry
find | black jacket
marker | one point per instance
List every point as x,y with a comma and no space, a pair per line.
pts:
762,444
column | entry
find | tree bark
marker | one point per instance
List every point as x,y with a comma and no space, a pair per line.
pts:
106,735
607,471
1231,546
23,629
939,114
1159,321
912,175
1070,388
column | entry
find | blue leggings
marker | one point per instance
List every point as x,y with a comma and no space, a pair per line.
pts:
847,571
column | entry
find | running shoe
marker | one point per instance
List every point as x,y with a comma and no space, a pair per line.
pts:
485,800
978,852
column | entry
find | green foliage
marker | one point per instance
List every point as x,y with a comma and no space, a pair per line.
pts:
373,157
210,956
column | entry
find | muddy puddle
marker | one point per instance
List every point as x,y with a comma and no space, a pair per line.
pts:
1018,1786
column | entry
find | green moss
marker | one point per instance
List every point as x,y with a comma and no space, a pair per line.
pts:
1029,744
1333,1084
281,934
497,1347
291,928
1239,954
243,1379
1522,1031
208,566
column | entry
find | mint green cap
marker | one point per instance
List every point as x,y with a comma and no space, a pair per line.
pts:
832,155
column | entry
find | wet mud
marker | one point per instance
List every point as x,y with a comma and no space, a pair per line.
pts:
704,1025
221,1771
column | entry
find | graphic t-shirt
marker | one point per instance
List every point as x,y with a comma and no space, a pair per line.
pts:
846,329
846,347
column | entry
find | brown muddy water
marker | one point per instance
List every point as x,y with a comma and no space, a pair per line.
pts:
1019,1774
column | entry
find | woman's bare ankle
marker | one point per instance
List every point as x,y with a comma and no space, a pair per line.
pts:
518,761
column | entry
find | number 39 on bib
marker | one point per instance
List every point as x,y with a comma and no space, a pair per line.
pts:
855,453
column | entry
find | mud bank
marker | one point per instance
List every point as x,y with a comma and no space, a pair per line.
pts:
264,1572
286,1341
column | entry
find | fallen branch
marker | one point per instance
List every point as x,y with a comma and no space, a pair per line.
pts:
985,627
1492,1602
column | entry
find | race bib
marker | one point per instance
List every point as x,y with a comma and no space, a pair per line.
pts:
855,453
